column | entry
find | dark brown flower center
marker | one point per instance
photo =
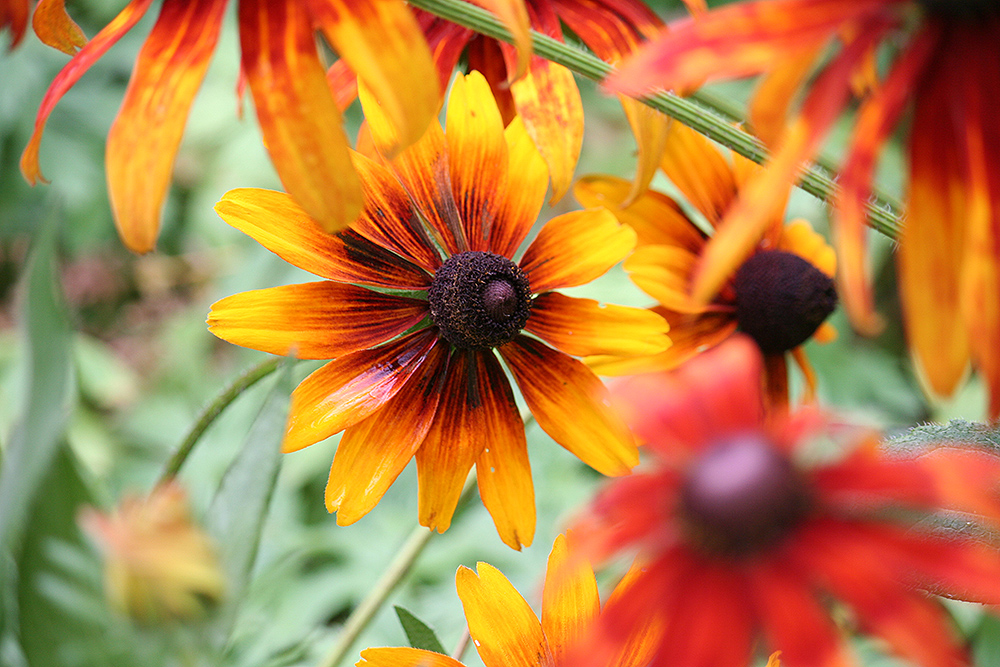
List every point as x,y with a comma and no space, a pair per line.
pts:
479,300
781,299
962,9
743,494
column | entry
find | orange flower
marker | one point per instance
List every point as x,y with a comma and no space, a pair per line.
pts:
298,117
416,374
752,524
945,80
50,22
507,632
780,295
158,563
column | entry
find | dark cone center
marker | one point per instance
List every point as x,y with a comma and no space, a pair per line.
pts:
781,299
479,300
962,9
743,494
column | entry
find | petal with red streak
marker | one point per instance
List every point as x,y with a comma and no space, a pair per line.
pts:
143,140
574,248
274,220
700,172
514,15
583,326
55,28
768,110
296,110
571,405
14,14
348,389
383,45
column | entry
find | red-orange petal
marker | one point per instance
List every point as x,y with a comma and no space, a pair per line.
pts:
574,248
143,140
54,26
583,327
514,14
71,73
296,110
700,171
571,405
383,45
503,471
372,453
348,389
570,602
768,109
14,14
322,320
609,28
274,220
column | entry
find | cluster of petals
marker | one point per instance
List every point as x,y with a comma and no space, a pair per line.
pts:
396,385
671,245
944,79
280,62
764,548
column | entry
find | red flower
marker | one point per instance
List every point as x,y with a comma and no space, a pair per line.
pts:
943,84
747,530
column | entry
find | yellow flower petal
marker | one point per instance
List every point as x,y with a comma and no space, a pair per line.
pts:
570,602
406,657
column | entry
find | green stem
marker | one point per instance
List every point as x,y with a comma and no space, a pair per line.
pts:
213,410
695,112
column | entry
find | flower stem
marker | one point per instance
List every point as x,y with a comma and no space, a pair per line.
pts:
695,111
213,410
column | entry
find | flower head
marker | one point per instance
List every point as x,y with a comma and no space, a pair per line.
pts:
753,524
296,110
417,375
780,295
943,81
158,563
570,606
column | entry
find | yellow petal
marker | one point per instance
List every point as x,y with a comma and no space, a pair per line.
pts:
406,657
570,603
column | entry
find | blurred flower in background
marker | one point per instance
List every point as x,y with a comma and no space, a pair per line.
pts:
943,85
280,62
745,523
158,564
415,374
780,295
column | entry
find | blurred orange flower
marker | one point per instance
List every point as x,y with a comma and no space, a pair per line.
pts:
296,110
415,374
752,524
50,22
780,295
944,81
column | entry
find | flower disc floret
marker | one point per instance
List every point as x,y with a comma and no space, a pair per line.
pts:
741,495
479,300
962,9
781,299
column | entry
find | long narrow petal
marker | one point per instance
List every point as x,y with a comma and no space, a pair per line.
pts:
404,657
651,129
382,43
55,28
609,28
664,273
571,405
477,156
527,182
505,630
373,452
297,113
71,73
582,327
570,603
737,40
143,140
778,88
876,121
514,14
755,208
574,248
348,389
274,220
645,638
321,320
700,172
503,471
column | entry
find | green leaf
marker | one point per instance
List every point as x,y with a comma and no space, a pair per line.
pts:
986,642
38,432
237,513
417,632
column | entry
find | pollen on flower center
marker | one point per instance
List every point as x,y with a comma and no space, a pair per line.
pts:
962,9
479,300
781,299
741,495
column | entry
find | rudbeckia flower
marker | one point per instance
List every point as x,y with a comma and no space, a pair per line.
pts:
417,375
542,93
298,117
763,527
49,20
780,295
158,563
507,632
943,86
